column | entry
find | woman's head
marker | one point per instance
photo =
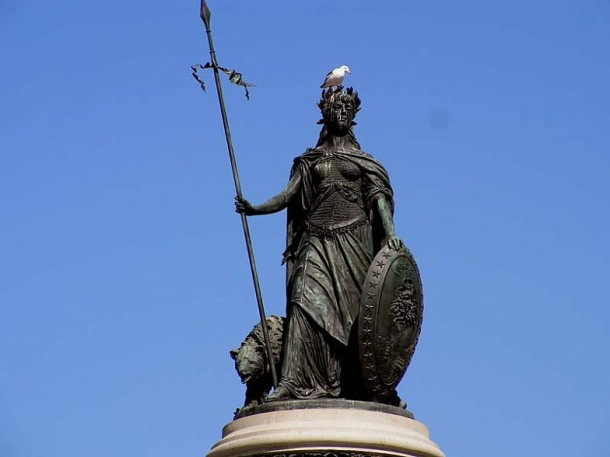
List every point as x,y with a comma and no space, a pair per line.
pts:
339,108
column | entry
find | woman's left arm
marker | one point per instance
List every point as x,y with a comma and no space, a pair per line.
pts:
387,221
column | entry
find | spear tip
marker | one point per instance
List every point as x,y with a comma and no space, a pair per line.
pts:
205,13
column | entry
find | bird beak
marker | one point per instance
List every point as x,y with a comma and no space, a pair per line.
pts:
348,71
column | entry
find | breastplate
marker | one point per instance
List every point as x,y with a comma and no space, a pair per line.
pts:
338,201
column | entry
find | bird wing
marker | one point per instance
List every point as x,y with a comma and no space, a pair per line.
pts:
328,76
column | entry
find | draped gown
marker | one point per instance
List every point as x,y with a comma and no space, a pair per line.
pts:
333,235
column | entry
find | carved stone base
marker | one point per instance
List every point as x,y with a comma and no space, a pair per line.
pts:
332,431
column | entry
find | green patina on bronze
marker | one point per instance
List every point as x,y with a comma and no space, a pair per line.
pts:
354,294
339,204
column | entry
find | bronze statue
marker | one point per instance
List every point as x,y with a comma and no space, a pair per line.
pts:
354,293
340,214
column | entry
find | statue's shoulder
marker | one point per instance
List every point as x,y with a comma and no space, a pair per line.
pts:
366,154
305,160
370,163
310,153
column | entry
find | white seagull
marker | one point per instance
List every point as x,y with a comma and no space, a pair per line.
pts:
335,77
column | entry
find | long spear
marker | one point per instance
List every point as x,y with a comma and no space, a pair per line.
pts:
205,17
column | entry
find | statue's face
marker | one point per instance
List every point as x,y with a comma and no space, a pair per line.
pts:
341,116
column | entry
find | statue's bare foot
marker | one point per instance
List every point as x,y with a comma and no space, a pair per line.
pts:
281,393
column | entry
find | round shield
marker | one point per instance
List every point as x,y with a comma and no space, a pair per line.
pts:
390,319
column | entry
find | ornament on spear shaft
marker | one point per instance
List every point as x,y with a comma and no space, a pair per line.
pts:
234,76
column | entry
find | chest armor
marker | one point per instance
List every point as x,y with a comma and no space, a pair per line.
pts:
338,202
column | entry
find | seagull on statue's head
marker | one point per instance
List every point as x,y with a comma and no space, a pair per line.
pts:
335,77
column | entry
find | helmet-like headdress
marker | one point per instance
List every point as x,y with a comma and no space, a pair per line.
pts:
330,96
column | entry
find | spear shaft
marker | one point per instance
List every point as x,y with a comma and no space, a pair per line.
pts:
205,17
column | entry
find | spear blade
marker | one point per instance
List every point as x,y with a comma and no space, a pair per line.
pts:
205,14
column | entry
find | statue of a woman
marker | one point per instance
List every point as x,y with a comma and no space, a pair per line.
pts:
340,207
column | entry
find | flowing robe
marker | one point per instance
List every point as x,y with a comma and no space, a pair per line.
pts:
325,276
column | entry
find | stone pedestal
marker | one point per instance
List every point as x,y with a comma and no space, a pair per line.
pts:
325,428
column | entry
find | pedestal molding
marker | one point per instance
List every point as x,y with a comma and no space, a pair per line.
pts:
325,432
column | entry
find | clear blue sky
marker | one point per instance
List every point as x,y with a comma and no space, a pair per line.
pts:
124,278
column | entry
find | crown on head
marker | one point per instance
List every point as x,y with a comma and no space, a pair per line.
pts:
330,96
